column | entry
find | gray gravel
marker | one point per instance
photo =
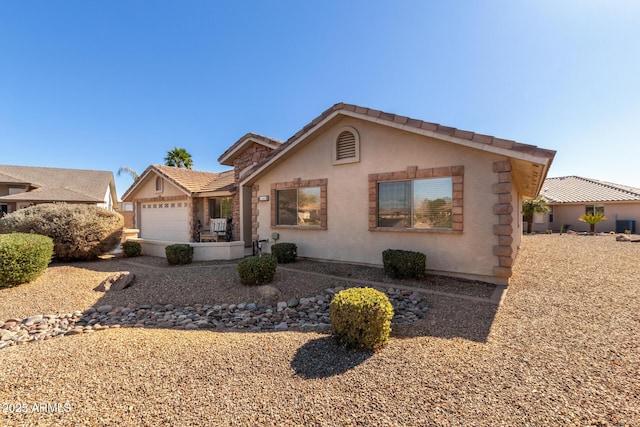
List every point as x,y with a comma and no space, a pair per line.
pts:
562,349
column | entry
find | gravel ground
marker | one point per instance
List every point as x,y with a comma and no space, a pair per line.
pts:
562,349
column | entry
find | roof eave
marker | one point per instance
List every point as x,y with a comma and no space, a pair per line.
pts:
141,178
510,149
228,156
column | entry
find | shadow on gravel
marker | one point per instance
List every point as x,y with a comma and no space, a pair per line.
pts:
323,358
449,318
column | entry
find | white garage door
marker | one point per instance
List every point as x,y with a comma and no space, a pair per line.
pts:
165,221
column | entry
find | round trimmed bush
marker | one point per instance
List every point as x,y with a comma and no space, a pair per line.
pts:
361,318
79,232
257,270
179,254
284,252
131,249
401,264
23,257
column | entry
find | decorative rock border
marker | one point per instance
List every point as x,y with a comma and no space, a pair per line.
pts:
303,313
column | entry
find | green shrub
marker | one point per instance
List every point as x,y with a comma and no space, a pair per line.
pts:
131,249
23,257
284,252
361,318
179,254
400,264
79,232
257,270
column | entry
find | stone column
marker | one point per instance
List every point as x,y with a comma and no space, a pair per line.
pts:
503,211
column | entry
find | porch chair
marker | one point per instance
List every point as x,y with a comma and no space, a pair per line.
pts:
218,228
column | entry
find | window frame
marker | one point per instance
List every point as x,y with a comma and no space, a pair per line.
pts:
594,209
298,184
219,201
412,173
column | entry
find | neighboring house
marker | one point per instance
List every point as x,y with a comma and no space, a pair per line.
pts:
168,202
356,181
22,186
569,197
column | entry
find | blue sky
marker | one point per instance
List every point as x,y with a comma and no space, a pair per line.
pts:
105,84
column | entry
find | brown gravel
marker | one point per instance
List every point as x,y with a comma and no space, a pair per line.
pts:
562,349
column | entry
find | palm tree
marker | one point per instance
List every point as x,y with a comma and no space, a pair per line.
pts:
533,206
130,171
592,220
179,158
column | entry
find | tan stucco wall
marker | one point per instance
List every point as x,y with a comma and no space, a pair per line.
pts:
568,214
384,149
147,188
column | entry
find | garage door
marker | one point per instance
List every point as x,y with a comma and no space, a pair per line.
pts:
165,221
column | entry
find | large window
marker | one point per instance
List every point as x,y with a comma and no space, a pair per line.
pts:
221,207
298,206
594,209
418,203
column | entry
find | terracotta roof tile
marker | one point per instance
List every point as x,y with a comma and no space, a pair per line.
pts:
464,134
446,130
483,139
504,143
429,126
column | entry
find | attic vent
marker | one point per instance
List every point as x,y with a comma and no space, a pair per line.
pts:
346,149
346,145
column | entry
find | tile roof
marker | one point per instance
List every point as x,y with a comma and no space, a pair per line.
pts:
189,180
223,182
575,189
56,184
530,157
433,127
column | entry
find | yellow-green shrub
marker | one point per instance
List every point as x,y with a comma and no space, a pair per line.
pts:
361,318
23,257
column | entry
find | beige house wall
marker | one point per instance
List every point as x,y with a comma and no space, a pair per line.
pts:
483,248
569,213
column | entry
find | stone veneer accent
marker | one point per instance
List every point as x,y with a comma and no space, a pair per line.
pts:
299,183
457,176
250,156
503,211
254,212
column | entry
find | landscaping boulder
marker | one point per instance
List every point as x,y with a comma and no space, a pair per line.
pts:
115,282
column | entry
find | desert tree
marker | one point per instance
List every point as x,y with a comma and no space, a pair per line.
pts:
531,207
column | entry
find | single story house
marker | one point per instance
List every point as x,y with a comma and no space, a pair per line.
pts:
569,197
22,186
356,181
